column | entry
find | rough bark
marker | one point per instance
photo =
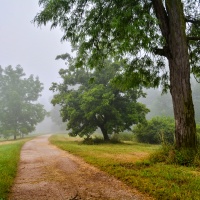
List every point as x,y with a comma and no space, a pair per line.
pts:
178,58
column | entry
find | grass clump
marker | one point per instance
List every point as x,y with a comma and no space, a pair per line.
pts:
130,163
170,155
9,158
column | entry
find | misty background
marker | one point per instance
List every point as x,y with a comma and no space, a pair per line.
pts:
33,48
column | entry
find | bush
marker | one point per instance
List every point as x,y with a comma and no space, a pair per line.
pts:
155,131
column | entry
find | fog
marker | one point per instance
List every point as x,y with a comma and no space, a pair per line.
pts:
23,43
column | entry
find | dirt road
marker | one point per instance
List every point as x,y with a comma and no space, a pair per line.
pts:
46,173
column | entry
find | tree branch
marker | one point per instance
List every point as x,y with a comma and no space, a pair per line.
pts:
193,21
162,17
193,38
161,52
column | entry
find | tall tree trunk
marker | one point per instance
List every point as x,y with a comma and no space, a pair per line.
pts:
105,133
15,136
173,28
180,88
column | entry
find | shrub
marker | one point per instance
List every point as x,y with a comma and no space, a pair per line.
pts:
155,131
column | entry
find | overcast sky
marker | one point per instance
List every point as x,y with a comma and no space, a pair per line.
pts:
23,43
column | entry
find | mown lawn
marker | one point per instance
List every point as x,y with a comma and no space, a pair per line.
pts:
9,158
129,163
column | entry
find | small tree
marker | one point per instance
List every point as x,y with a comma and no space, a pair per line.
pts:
18,112
96,101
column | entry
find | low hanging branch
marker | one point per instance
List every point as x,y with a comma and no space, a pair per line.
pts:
193,21
193,38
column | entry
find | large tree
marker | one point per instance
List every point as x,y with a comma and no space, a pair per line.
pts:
89,100
144,33
19,113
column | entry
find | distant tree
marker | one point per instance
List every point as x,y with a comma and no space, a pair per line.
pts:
18,112
96,102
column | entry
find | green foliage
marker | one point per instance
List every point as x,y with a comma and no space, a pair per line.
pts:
99,29
18,110
86,105
155,131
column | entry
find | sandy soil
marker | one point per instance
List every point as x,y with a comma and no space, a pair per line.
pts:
46,172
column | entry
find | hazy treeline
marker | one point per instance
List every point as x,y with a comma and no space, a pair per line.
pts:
19,110
161,104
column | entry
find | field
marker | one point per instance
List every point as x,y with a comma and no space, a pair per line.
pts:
129,162
9,158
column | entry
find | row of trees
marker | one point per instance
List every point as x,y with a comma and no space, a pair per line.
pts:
19,113
144,34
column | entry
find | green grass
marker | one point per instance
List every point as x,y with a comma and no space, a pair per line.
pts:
129,163
9,158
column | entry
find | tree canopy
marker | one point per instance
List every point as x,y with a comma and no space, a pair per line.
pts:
90,100
142,33
122,29
18,112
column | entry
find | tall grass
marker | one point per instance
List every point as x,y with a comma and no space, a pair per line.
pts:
9,158
130,163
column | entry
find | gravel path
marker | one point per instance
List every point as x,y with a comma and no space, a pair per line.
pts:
46,173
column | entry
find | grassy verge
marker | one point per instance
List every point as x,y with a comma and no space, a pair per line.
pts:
9,158
129,163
